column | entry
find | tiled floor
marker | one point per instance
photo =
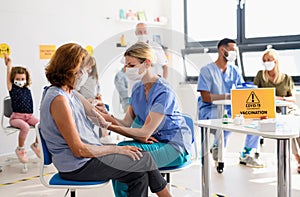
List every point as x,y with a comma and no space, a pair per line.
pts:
235,181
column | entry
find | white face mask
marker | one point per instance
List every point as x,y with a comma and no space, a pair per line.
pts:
81,80
20,83
133,74
269,65
142,38
231,57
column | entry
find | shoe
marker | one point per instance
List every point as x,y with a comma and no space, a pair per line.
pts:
22,156
108,140
214,151
250,162
35,149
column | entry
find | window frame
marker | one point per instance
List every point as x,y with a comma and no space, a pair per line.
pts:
256,44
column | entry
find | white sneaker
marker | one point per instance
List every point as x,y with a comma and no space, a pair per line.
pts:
108,140
250,162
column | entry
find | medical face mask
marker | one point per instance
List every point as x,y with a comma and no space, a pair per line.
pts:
20,83
231,57
81,80
143,38
133,74
269,65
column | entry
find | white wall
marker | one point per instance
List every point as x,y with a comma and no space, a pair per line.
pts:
27,24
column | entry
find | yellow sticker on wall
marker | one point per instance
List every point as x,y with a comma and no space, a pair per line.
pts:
90,50
253,103
4,48
46,51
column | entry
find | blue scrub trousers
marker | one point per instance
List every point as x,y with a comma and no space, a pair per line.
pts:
164,155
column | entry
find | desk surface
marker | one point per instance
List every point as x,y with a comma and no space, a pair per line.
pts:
278,103
289,127
222,102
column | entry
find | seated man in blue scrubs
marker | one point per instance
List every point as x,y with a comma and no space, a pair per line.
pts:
214,83
163,131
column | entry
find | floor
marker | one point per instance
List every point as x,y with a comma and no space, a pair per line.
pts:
235,181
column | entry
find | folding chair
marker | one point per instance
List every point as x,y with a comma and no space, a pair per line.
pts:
8,130
56,181
7,111
166,171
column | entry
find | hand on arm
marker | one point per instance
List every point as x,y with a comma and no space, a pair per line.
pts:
142,134
62,115
92,112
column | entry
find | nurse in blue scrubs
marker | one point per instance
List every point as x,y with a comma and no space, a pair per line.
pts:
161,129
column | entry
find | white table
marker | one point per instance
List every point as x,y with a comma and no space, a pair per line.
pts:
221,106
282,134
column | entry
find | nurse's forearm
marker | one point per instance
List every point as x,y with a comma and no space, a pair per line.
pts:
129,132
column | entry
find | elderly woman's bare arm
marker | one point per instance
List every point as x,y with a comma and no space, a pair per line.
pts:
62,115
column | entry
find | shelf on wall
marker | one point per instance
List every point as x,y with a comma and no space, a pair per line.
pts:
146,22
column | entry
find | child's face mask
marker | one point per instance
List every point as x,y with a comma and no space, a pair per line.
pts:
20,83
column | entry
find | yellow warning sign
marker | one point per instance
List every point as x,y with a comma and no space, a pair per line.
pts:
4,48
46,51
253,103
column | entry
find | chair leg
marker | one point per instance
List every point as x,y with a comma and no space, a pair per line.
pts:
167,177
73,193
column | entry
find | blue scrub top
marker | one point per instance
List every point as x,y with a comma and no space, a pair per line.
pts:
213,80
161,99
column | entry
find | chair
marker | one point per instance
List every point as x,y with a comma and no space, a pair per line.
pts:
166,171
8,130
7,111
56,181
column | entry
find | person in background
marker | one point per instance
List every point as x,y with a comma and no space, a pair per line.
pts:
162,129
121,83
214,83
74,146
284,85
91,91
161,64
18,81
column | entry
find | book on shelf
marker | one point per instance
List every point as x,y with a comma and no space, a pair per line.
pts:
122,14
141,16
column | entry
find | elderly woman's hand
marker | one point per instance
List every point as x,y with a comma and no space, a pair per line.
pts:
131,151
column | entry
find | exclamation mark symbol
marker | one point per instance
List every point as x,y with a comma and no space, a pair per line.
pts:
252,95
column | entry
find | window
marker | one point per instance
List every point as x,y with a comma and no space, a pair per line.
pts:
271,18
253,24
288,61
205,19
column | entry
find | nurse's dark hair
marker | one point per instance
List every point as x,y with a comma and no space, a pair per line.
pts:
141,51
64,64
225,42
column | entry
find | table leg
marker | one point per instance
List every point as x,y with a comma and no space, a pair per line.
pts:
221,144
205,162
283,109
283,168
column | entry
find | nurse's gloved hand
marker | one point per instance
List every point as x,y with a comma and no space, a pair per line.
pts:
98,120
